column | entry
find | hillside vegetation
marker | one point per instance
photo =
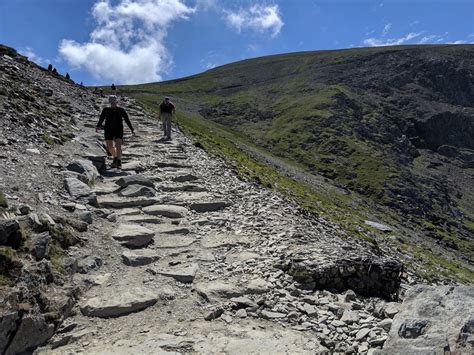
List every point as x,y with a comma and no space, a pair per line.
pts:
370,133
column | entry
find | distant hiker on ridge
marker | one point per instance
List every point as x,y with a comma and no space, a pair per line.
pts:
114,89
167,109
113,130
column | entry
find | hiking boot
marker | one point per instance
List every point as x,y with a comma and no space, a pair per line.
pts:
119,164
114,163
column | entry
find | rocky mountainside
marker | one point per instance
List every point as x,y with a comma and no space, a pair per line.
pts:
390,127
179,252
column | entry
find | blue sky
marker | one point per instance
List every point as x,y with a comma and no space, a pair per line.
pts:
134,41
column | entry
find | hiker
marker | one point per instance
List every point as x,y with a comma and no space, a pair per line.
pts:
113,129
167,109
114,89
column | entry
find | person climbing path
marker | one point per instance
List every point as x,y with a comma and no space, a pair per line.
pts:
113,129
167,109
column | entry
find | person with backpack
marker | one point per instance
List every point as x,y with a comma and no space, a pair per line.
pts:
113,129
167,109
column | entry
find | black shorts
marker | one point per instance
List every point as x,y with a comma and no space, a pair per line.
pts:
111,133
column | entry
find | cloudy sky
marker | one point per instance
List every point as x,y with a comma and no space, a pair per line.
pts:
135,41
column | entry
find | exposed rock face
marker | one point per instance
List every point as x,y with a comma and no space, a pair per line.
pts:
8,324
32,332
433,320
9,232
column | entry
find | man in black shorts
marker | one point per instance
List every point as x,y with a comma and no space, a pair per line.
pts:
167,109
113,129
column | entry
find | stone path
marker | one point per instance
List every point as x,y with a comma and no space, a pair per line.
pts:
194,259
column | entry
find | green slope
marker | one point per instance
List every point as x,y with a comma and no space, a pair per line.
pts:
352,119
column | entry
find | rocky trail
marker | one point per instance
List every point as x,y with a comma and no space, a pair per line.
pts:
176,253
192,258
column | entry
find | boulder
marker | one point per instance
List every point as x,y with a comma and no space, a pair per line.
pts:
80,191
41,245
434,320
32,332
85,168
9,232
8,325
88,264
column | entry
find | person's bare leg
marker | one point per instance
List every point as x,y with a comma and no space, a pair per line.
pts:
118,148
110,148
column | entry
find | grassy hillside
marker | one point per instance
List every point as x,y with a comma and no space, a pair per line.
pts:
352,134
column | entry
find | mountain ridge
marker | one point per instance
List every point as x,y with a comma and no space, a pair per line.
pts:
330,112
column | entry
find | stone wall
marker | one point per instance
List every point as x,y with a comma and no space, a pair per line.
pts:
367,275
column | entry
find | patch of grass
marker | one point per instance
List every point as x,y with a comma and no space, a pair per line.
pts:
439,266
47,139
56,256
3,200
4,280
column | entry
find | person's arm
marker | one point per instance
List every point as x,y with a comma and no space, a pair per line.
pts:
127,120
101,119
173,110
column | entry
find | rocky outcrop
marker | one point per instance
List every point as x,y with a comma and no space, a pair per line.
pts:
433,320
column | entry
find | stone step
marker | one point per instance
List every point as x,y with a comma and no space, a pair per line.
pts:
135,180
167,228
118,303
132,235
139,257
172,165
166,241
109,201
209,206
180,188
137,191
169,211
140,218
185,274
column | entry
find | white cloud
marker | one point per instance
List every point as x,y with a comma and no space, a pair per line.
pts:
431,39
127,45
32,56
386,29
207,5
257,17
458,42
374,42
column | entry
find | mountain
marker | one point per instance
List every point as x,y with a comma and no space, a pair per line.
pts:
374,133
184,247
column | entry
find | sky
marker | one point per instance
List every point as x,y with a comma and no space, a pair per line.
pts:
138,41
